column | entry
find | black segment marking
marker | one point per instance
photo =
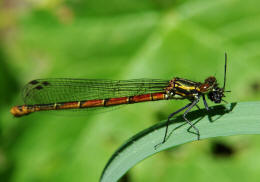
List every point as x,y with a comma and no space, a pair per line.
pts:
193,91
105,102
182,91
57,106
80,103
130,99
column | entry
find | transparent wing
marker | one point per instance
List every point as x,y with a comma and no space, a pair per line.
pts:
52,90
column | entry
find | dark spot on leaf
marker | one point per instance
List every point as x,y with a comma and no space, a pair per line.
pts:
39,87
220,149
33,82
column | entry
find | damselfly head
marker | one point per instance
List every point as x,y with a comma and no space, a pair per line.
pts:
216,94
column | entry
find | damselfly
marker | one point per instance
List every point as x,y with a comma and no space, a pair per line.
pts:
67,93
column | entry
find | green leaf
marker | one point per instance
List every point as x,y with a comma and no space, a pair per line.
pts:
221,120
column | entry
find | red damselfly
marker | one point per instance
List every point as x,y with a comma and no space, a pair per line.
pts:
67,93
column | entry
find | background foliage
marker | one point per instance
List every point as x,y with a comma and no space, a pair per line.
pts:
124,39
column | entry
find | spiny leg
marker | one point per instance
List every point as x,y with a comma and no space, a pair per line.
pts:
168,122
190,123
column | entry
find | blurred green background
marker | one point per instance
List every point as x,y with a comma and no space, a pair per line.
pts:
124,39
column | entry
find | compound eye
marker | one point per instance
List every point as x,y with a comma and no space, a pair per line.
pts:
215,97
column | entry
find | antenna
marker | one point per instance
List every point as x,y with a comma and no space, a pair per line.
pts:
225,71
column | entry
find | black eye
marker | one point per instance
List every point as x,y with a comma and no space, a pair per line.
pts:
215,96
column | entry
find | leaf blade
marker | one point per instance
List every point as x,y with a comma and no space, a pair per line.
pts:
231,119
